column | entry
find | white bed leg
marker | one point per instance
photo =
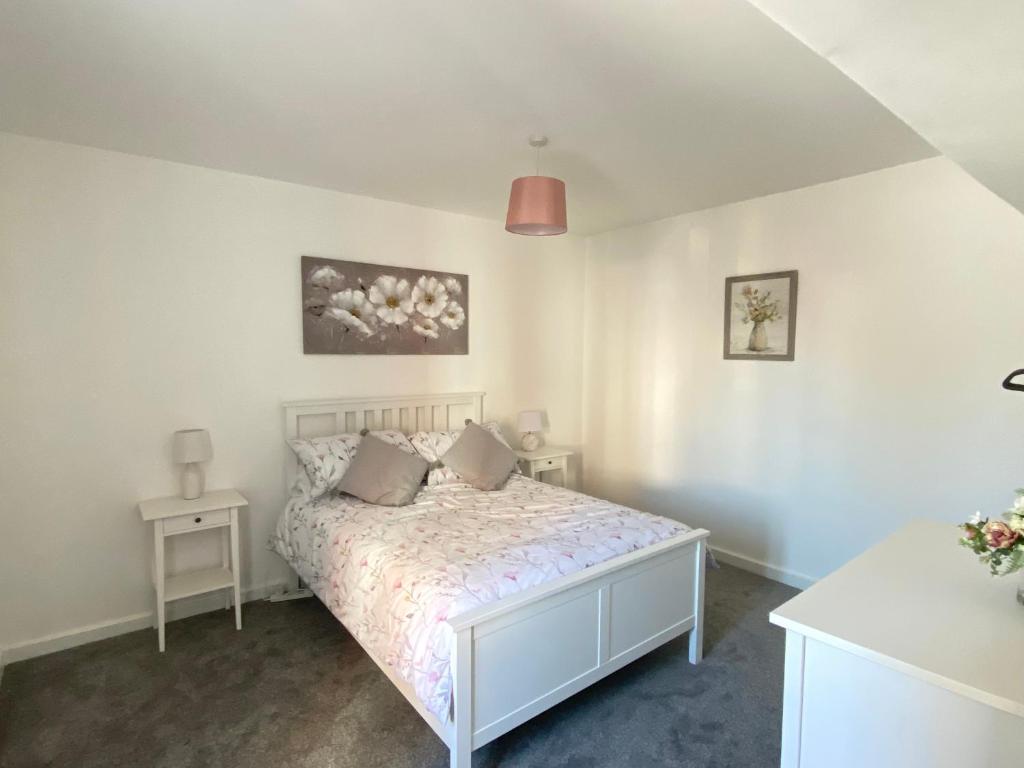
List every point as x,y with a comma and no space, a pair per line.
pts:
462,690
697,633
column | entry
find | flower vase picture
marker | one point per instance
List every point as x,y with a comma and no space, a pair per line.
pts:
352,308
760,316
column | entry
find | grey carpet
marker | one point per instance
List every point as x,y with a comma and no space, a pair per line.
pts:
294,689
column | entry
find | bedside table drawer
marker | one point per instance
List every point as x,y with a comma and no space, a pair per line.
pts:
546,464
196,522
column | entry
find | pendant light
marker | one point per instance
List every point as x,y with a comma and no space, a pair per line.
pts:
536,205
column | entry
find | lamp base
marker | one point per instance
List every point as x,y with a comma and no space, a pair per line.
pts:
530,441
192,481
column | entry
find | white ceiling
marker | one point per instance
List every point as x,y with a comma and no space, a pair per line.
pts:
952,69
653,108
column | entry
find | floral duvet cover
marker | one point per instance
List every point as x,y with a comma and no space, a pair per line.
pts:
394,575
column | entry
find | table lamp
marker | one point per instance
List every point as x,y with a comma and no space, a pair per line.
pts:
192,446
530,423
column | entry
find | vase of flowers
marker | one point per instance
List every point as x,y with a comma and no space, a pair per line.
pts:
758,308
999,544
758,338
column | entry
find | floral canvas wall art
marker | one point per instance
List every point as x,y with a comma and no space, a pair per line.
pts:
760,316
352,308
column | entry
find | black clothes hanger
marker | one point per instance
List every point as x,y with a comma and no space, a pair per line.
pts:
1009,384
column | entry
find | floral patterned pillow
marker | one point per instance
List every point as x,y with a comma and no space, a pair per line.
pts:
325,459
433,445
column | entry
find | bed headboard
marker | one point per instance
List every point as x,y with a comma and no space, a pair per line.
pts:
408,413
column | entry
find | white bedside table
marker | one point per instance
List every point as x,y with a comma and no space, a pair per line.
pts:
173,516
547,458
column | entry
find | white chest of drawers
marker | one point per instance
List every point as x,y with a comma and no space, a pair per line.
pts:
909,656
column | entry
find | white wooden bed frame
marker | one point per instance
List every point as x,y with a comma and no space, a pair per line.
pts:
517,657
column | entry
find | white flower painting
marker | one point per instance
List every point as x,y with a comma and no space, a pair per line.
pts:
391,298
429,296
352,308
326,278
426,328
453,315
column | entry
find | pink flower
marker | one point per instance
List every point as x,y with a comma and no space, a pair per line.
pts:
968,532
999,535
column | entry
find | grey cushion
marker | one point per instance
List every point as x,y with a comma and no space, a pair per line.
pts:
480,458
384,474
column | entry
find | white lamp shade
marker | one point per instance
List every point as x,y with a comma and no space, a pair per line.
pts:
191,445
531,421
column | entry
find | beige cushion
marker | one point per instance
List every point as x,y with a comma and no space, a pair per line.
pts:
433,445
480,458
381,473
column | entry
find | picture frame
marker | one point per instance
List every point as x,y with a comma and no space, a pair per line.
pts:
760,316
358,308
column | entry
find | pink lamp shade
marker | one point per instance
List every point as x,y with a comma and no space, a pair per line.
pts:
536,206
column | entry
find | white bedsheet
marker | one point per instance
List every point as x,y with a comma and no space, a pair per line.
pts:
393,575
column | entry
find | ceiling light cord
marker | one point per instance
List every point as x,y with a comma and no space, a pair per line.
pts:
538,142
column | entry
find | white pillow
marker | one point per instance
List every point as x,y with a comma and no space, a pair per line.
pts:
433,445
326,459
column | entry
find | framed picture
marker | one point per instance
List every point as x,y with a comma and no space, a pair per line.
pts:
352,308
760,316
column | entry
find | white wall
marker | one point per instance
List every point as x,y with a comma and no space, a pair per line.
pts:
910,314
140,296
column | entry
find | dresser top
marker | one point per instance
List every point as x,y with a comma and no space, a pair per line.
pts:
173,506
923,605
544,452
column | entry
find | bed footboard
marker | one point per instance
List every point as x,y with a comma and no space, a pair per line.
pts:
516,658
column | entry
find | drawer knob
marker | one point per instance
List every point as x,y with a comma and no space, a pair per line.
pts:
199,519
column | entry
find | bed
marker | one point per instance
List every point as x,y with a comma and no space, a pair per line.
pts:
487,608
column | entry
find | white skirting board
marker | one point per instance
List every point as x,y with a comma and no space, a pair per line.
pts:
180,609
205,603
773,572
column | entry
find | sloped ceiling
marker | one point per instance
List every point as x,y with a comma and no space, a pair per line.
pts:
653,108
953,70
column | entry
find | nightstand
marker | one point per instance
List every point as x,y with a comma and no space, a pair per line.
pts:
547,458
174,516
